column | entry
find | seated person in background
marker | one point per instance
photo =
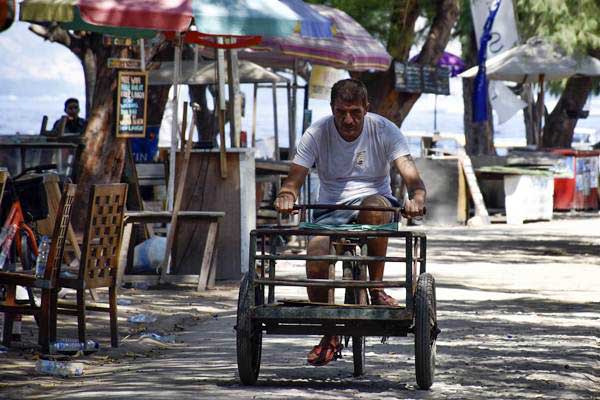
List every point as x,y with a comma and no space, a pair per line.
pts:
73,124
353,150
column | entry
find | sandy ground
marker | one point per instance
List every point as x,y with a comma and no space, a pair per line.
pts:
519,309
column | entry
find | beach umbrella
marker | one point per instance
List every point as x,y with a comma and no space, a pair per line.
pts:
536,61
74,15
350,48
203,73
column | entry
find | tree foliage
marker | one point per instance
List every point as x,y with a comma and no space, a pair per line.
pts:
572,24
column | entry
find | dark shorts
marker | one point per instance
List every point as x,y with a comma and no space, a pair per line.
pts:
339,217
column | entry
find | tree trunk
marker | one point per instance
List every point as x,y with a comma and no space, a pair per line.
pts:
479,137
104,155
560,124
158,96
206,123
384,99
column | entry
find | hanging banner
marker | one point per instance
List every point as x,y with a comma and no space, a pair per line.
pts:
322,78
504,101
504,32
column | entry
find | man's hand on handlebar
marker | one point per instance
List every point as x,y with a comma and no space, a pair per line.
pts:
284,203
415,207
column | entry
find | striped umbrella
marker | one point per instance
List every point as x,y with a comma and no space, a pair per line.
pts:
351,48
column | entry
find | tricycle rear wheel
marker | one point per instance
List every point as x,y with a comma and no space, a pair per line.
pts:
248,332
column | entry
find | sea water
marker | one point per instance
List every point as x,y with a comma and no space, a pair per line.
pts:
37,76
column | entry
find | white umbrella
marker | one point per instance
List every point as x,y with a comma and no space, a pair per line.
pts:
527,62
204,73
536,61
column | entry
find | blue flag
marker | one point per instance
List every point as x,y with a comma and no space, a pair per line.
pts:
480,109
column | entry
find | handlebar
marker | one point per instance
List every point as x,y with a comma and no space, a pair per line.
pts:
398,211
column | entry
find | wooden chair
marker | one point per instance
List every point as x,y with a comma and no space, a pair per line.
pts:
44,312
99,259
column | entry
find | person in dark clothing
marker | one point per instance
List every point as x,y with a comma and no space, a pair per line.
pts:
73,124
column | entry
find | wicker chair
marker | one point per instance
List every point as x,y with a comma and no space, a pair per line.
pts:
99,259
44,313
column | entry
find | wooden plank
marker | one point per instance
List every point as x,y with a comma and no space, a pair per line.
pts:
329,257
462,203
209,249
480,209
178,198
156,279
165,216
125,241
330,283
333,313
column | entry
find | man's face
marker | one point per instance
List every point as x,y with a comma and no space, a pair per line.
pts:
349,117
72,110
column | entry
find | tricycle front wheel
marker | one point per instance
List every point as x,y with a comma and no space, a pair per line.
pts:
425,331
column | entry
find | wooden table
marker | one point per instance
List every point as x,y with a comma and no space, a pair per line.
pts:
207,269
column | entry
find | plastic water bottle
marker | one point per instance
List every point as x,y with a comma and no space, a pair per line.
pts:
42,258
72,346
63,369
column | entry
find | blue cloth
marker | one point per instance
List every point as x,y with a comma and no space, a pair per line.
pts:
480,108
313,24
145,149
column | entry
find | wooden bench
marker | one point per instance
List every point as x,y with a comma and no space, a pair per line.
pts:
207,269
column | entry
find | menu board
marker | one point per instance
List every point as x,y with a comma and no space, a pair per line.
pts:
408,77
414,78
132,99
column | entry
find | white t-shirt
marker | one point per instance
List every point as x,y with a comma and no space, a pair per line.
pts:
348,170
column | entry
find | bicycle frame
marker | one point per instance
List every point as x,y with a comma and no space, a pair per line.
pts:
16,218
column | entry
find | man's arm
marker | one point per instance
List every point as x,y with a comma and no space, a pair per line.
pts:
288,194
415,186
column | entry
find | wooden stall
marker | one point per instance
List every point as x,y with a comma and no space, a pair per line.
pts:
206,190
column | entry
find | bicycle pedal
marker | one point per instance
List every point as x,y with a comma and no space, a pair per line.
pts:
384,339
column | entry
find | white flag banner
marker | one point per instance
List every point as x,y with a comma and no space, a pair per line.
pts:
504,101
504,37
504,31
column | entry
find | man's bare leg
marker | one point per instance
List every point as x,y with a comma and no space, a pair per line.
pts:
378,246
319,246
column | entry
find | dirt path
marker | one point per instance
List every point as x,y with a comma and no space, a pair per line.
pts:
518,307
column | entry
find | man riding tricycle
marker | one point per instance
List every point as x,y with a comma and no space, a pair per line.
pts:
352,151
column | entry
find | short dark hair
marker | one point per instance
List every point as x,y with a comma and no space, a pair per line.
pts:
349,90
71,100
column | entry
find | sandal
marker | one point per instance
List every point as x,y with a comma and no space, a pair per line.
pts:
325,351
381,298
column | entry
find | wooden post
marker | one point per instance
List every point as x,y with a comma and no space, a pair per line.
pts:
183,124
178,197
221,110
540,111
254,98
275,127
235,109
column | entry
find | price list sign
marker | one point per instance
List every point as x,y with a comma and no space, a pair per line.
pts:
414,78
132,98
